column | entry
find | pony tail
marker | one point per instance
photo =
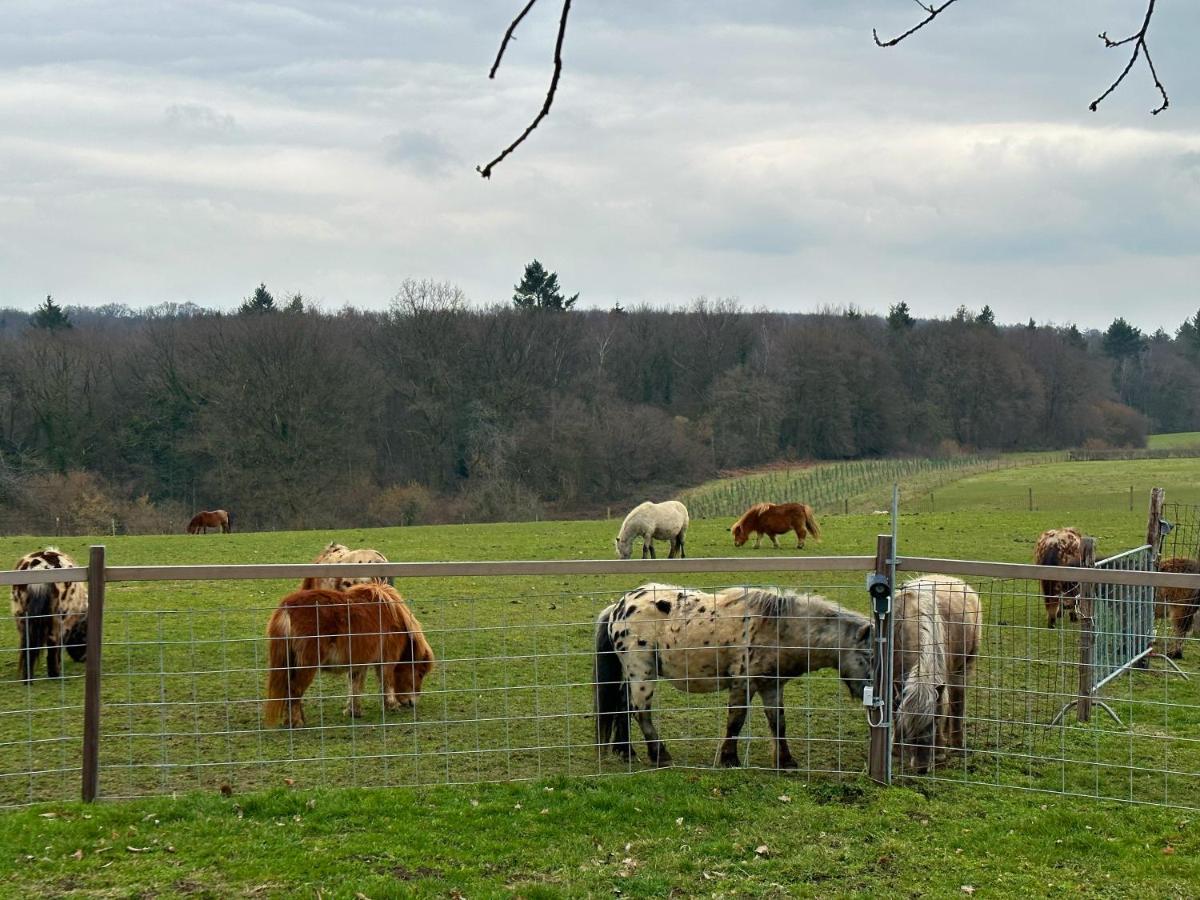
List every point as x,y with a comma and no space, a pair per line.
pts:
810,522
34,622
280,660
612,690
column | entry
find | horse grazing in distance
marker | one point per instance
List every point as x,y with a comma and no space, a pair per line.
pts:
366,626
773,519
340,553
210,518
937,632
1059,547
50,615
1177,604
652,522
747,640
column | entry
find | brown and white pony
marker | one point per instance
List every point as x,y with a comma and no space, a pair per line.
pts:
1177,604
49,615
937,631
773,519
1059,547
210,518
368,626
340,553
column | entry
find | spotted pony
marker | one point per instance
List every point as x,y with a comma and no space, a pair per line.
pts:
745,640
51,615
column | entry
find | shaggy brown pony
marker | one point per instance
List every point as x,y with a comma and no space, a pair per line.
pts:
772,519
368,625
1177,604
209,518
1059,547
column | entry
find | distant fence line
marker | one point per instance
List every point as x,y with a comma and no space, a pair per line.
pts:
1133,454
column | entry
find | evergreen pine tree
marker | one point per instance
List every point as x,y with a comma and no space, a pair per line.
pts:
1122,340
261,301
986,316
899,318
50,316
539,290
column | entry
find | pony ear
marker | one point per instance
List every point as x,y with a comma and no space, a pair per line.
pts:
864,633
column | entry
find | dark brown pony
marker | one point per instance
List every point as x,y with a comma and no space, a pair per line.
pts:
772,519
1177,604
367,626
209,518
1059,547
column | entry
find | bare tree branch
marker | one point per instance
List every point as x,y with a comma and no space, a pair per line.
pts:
933,14
486,171
1138,39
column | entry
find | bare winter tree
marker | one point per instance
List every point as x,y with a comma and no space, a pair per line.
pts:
932,10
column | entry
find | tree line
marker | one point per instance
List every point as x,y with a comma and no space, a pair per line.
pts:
437,410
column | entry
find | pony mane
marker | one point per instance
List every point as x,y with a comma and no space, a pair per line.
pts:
919,695
779,603
755,510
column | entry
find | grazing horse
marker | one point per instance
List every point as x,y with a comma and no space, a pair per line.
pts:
368,625
773,519
747,640
1177,604
210,518
937,630
1059,547
654,521
340,553
49,615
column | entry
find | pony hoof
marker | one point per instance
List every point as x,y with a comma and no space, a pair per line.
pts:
352,712
729,761
787,764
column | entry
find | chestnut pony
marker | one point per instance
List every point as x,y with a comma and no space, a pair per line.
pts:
367,626
773,519
209,518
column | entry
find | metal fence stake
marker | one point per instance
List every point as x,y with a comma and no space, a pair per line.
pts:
879,750
91,689
1087,627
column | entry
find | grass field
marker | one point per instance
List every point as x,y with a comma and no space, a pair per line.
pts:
1174,440
510,700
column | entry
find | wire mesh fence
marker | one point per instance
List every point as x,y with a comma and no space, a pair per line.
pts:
1182,541
512,692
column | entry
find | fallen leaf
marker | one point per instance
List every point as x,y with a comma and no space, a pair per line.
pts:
762,850
138,849
49,815
784,798
968,889
78,854
1169,850
289,781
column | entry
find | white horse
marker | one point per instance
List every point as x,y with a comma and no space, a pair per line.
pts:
654,521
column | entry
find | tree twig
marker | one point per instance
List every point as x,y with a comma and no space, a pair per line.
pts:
933,14
1138,39
486,171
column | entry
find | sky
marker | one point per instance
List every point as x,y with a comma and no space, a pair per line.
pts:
761,150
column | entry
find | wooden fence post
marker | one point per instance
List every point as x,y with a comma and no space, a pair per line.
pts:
1087,628
879,750
92,670
1154,524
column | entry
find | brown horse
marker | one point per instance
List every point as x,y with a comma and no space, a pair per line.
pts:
1177,604
772,519
210,518
368,625
1059,547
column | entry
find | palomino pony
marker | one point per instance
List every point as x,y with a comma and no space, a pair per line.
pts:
748,640
50,615
654,521
366,626
937,629
209,518
1059,547
773,519
340,553
1177,604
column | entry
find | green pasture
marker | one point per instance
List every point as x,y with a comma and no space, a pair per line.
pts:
1174,440
510,702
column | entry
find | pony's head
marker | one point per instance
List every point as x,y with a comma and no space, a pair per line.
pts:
624,545
916,722
739,532
75,639
854,660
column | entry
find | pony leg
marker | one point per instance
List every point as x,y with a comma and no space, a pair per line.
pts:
799,529
28,654
740,695
641,696
771,693
54,660
1182,620
299,680
757,540
775,542
354,681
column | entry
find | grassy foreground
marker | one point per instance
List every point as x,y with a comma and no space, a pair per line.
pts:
674,833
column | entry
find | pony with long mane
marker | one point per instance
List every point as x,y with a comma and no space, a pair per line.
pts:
667,521
368,626
745,640
210,518
1059,547
937,631
50,615
340,553
1177,604
774,519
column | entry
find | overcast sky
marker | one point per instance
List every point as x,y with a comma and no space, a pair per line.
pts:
764,150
